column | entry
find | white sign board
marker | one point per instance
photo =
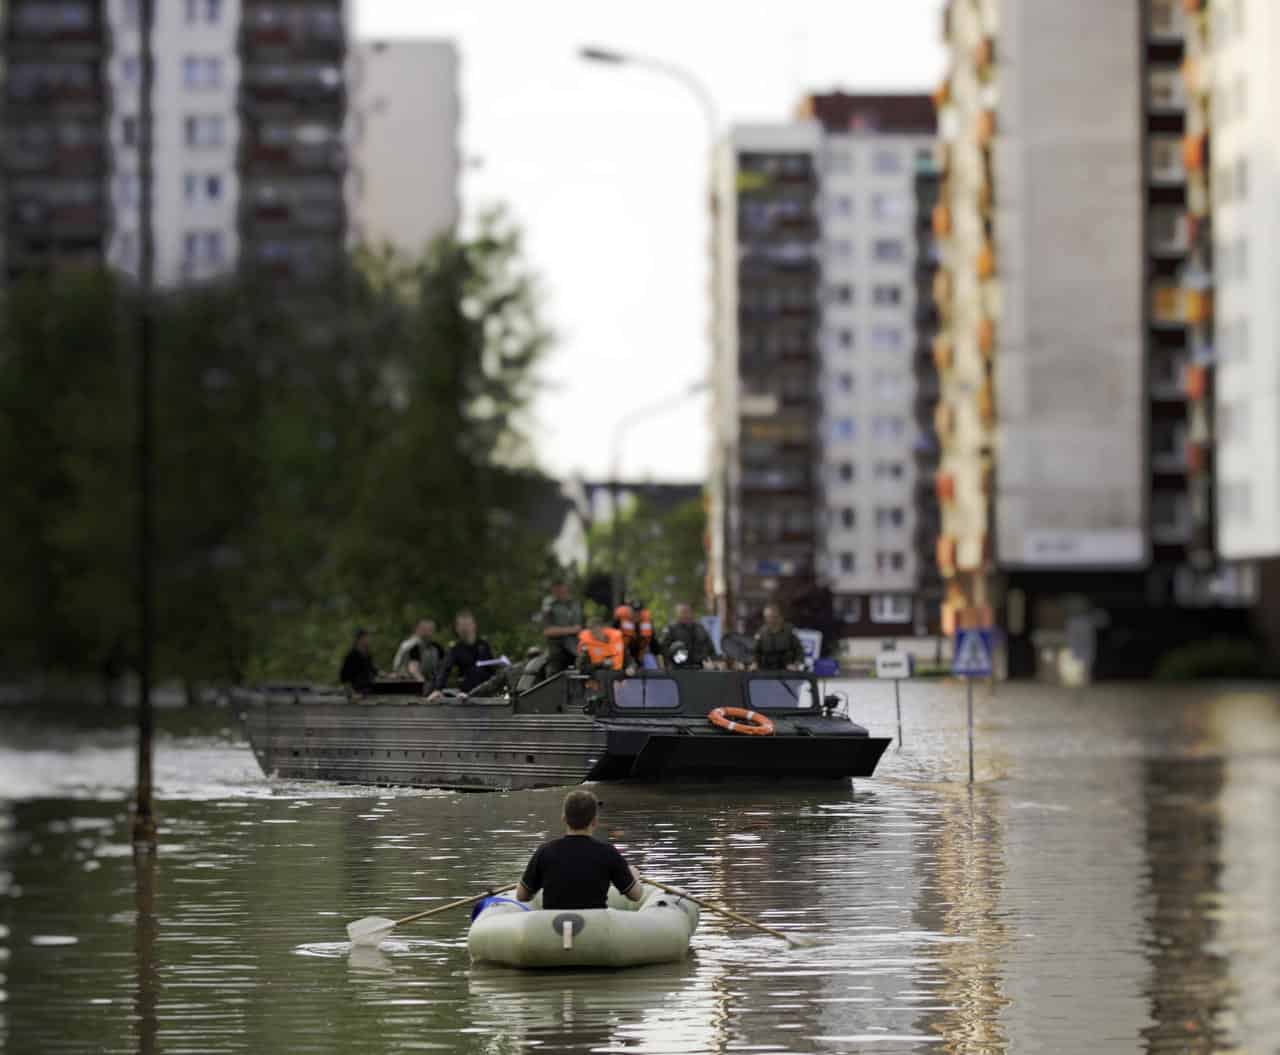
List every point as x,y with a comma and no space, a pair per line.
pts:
812,642
893,665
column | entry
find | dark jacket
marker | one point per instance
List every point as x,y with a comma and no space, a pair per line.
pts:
466,659
695,639
778,649
358,670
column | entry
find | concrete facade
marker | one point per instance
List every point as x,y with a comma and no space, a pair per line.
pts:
406,159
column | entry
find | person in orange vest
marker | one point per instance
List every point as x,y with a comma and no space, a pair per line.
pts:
624,621
600,647
644,636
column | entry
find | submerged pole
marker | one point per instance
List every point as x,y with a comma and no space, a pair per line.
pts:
144,825
969,687
897,703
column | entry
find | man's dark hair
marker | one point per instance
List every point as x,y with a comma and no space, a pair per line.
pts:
579,809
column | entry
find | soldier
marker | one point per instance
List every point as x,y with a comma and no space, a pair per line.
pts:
778,646
561,625
515,679
686,643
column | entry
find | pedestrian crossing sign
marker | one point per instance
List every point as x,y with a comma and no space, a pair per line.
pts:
972,657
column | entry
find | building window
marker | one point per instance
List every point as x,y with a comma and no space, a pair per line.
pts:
129,131
200,188
888,250
889,471
844,339
207,11
886,161
202,72
1240,253
886,339
849,609
886,296
887,385
127,189
888,428
846,473
848,562
842,249
888,206
205,130
131,69
890,518
890,561
890,608
844,429
848,518
841,293
842,205
202,247
839,161
844,382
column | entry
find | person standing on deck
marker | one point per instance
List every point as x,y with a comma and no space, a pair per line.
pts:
574,872
419,655
687,637
358,670
561,625
778,646
465,655
601,647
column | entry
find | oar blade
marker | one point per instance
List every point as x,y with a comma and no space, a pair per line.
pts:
803,941
370,931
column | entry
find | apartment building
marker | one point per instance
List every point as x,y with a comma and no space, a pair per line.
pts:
55,166
1076,475
814,484
406,159
1235,75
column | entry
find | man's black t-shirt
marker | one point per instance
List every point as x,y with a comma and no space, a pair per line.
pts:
466,658
574,872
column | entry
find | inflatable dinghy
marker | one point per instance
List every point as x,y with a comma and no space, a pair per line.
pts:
656,929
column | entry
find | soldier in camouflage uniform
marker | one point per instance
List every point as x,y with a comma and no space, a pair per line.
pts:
778,646
561,625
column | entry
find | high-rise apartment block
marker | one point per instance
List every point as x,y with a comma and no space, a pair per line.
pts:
815,447
55,166
1075,417
273,146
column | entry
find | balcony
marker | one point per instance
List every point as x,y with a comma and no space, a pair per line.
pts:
1195,152
987,338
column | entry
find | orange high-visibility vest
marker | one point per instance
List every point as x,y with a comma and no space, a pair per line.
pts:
644,627
606,653
626,623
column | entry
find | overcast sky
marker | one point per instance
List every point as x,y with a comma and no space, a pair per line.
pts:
605,170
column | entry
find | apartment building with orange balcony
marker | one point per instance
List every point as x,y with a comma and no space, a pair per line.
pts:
1075,419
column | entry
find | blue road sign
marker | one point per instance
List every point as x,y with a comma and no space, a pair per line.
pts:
972,657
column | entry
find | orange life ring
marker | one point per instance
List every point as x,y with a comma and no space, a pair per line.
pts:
758,724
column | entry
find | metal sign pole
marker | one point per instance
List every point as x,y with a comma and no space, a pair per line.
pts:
969,684
897,703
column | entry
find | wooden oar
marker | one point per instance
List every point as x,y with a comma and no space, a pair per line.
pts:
795,940
372,929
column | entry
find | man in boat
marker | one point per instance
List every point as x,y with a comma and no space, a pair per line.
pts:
358,670
470,655
600,647
561,625
574,871
515,679
686,643
636,624
778,646
419,654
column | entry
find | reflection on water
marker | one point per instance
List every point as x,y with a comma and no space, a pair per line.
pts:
1109,885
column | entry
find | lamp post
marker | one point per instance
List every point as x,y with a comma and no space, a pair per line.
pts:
625,422
611,57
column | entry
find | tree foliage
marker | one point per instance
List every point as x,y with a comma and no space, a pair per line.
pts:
319,464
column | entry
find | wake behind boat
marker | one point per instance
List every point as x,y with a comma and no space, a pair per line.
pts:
651,726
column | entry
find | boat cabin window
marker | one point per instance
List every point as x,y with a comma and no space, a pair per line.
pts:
650,694
781,694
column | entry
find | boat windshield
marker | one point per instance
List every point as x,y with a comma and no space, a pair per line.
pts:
774,694
650,694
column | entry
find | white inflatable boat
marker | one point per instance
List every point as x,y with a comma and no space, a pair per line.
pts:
656,929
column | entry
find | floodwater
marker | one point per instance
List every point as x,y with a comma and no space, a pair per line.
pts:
1111,883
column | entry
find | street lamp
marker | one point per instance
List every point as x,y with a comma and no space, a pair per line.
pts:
611,57
625,422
